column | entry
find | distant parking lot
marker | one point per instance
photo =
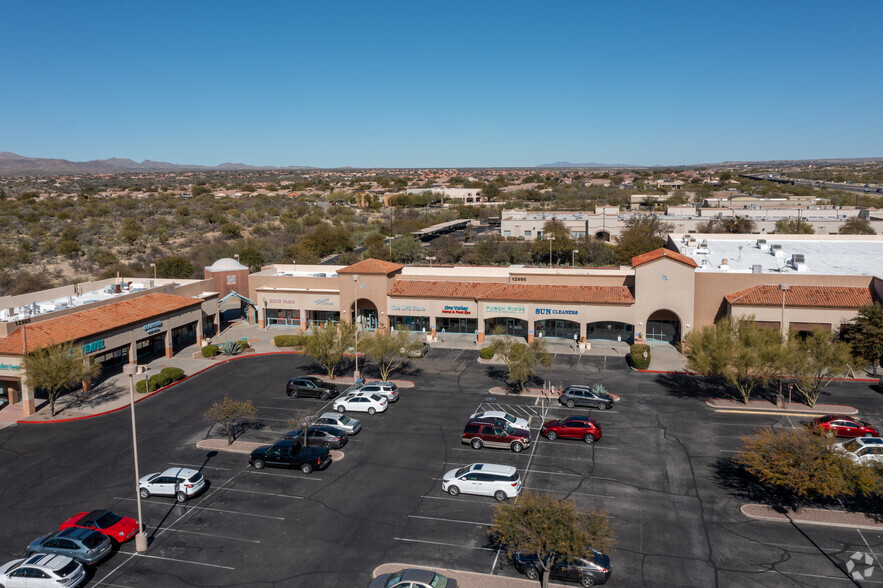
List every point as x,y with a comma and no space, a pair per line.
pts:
657,471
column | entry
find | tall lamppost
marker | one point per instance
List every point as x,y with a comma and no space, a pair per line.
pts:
430,258
130,369
356,324
551,238
784,288
573,257
236,256
153,265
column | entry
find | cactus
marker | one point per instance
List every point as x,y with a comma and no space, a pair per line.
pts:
599,389
230,347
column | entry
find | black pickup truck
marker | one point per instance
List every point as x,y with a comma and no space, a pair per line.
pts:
290,454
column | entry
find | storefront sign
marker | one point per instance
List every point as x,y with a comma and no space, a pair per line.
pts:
153,327
408,308
450,309
557,311
281,301
93,346
505,309
518,279
323,302
9,366
26,321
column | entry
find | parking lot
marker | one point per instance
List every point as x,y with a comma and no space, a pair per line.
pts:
659,471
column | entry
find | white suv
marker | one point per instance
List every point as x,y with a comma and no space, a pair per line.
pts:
863,450
386,389
484,479
182,483
496,415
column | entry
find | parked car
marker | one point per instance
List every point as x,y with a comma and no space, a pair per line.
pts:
412,578
479,435
593,568
311,387
106,522
572,427
320,435
84,545
838,425
340,421
864,450
358,402
498,417
42,569
386,389
182,483
290,454
484,479
585,396
419,350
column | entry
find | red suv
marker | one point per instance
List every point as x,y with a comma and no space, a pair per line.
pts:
500,436
572,427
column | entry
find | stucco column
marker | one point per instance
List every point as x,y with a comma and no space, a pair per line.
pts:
480,320
200,332
218,321
133,352
169,344
260,315
303,319
531,330
582,330
28,405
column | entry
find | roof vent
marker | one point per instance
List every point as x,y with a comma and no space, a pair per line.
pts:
798,262
763,245
757,269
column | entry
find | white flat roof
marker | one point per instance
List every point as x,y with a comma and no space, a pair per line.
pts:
40,307
827,256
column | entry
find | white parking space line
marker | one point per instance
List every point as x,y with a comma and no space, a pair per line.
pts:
876,558
259,492
556,473
568,492
187,561
208,535
251,472
271,419
440,543
197,467
194,507
458,500
456,357
449,520
841,578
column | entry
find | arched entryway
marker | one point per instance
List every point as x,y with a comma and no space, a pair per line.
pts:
507,325
367,318
560,328
663,325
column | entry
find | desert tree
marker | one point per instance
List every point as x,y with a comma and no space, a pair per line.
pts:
864,333
389,350
327,345
59,367
227,412
521,359
812,361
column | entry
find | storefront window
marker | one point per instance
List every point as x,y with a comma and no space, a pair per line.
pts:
610,331
509,326
183,336
556,328
112,358
322,317
283,316
449,324
410,323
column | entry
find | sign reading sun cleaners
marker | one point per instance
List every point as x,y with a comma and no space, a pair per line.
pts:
557,311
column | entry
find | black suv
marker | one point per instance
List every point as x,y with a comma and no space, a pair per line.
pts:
312,387
585,396
593,569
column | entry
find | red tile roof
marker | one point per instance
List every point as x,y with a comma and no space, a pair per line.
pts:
371,266
659,253
512,292
87,323
804,296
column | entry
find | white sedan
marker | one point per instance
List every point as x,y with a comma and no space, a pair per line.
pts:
357,402
863,450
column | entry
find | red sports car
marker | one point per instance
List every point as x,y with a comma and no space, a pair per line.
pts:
106,522
572,427
844,426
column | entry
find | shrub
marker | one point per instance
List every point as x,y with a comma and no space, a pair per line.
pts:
243,344
210,351
174,374
638,359
155,382
285,340
486,353
230,347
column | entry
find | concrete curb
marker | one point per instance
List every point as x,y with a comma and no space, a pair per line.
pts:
766,406
812,516
246,447
464,579
686,373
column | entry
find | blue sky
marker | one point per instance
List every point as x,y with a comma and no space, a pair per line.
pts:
442,84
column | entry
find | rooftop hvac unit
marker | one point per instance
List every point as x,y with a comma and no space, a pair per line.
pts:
762,244
775,249
757,269
798,262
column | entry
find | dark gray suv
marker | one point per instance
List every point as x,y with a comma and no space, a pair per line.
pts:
312,387
586,396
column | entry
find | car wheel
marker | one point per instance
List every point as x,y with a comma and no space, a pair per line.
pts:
589,438
258,464
306,468
552,435
371,410
145,493
587,581
327,445
517,447
570,404
341,408
293,394
500,495
602,406
867,435
323,396
453,490
476,444
531,572
180,496
829,433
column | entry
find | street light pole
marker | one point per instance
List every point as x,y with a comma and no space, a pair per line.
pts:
784,288
153,265
430,258
573,257
130,369
356,324
551,238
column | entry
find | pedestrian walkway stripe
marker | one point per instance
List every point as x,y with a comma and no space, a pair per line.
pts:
440,543
772,413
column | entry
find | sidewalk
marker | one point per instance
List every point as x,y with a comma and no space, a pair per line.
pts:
812,516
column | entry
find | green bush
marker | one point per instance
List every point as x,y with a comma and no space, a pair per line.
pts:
486,353
174,374
638,360
243,344
210,351
285,340
155,382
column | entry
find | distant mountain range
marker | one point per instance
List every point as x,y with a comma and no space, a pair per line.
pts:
568,164
11,163
774,163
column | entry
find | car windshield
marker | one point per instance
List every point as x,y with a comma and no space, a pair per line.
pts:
195,477
106,520
67,570
376,397
509,430
852,445
93,540
438,581
344,420
461,471
395,578
509,418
